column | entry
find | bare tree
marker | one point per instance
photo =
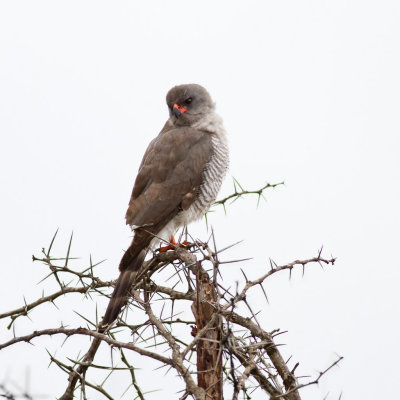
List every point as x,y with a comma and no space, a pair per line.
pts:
234,353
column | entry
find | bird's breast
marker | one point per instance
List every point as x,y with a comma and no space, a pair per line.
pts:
213,175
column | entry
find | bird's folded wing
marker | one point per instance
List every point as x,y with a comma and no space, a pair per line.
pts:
171,173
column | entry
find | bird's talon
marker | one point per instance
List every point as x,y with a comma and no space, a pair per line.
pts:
166,248
173,245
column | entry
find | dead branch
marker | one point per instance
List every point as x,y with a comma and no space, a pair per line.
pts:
86,332
222,334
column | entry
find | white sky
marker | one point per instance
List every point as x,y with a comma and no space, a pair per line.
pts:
309,92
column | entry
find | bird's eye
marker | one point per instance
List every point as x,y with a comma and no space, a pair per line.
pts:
188,100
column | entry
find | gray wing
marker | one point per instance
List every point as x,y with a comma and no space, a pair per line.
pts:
170,174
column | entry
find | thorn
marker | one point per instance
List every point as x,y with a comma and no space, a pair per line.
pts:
294,368
245,277
235,180
228,247
235,261
265,294
68,251
51,243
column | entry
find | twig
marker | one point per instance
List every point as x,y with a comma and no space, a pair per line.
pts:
237,194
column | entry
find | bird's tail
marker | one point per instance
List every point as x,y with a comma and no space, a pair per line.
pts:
121,290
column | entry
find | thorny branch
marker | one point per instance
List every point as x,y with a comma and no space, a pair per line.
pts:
250,352
242,192
23,311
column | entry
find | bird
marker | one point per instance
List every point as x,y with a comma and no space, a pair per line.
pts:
179,178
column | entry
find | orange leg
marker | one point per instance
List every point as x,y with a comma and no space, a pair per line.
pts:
173,245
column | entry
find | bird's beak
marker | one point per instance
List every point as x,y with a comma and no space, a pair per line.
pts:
178,110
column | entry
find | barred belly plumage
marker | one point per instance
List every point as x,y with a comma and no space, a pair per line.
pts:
215,170
214,174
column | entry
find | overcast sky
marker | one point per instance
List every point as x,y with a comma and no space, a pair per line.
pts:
309,93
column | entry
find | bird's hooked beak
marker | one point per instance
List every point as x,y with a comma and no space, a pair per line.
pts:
178,110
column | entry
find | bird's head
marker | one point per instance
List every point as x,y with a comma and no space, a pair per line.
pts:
188,104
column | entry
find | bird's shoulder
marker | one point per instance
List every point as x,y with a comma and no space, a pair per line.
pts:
170,149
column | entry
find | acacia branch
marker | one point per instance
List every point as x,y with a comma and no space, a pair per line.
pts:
275,356
177,358
316,380
255,372
243,192
158,261
82,378
86,332
251,365
248,354
133,377
249,284
23,311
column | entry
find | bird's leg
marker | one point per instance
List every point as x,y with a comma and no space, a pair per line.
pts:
172,245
